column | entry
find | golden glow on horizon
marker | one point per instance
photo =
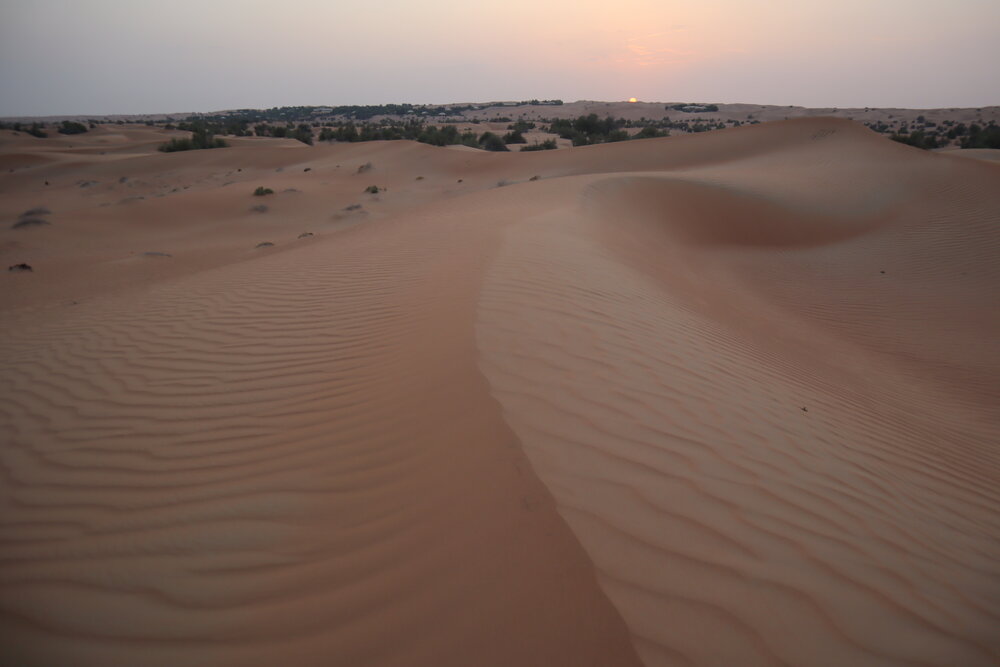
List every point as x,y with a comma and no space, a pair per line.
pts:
632,100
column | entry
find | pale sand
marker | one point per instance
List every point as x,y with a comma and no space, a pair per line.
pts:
661,403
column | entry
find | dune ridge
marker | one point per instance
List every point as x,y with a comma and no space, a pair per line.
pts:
291,459
716,399
714,382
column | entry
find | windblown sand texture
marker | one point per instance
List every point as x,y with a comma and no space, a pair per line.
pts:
728,398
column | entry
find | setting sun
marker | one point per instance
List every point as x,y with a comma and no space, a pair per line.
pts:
632,99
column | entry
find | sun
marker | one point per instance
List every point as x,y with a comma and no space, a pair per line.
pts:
632,100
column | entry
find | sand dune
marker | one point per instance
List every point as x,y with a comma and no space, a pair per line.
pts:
729,398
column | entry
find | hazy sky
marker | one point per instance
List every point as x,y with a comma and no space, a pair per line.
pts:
143,56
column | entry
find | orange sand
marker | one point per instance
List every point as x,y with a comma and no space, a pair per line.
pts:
728,398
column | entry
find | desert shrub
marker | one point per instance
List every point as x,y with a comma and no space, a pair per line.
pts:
200,138
304,134
491,142
36,131
650,132
372,189
69,127
39,210
175,145
982,137
259,208
918,139
691,107
547,145
514,137
367,166
261,191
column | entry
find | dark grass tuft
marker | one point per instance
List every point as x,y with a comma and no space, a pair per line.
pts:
29,222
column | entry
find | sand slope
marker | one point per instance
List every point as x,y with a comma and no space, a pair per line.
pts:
729,398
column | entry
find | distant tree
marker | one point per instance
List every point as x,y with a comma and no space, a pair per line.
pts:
69,127
918,139
650,132
491,142
547,145
980,137
200,139
514,137
304,134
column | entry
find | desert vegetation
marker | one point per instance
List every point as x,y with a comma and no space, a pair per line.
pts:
35,129
693,107
69,127
201,138
547,145
592,129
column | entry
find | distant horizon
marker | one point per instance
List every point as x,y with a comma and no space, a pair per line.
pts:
485,104
105,57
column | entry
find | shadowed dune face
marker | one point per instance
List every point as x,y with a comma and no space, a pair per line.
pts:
721,399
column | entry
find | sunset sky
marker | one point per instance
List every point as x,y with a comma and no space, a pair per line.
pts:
118,56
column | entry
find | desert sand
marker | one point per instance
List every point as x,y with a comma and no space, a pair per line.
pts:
730,398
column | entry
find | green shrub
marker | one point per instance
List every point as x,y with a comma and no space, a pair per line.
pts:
303,133
261,191
200,138
650,132
917,139
175,145
982,137
69,127
514,137
491,142
547,145
372,189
